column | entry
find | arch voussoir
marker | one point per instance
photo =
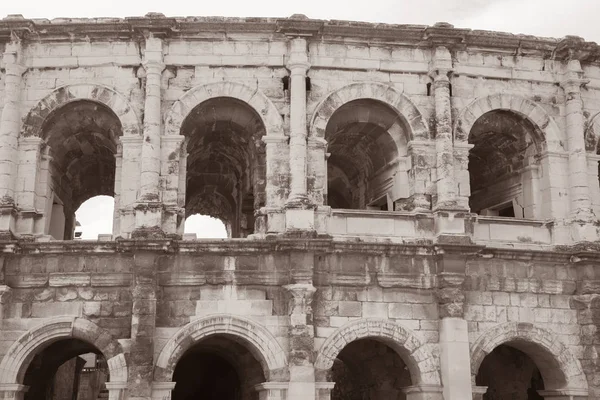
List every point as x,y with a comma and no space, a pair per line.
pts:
386,94
417,355
19,355
261,343
112,99
257,100
560,369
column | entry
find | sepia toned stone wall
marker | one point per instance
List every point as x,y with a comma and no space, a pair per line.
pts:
412,211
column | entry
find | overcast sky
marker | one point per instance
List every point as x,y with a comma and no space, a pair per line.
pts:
553,18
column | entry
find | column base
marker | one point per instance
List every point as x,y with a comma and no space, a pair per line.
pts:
8,221
162,390
148,221
454,227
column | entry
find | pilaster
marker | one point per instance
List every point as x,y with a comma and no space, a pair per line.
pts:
579,196
149,207
445,182
272,390
301,367
423,164
127,184
28,172
10,124
5,297
116,390
162,390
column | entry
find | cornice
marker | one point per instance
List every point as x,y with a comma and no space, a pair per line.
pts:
441,34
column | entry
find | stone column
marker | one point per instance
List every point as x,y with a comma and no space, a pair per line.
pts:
12,391
162,390
116,390
423,161
149,206
170,172
5,296
301,367
270,218
593,161
27,178
10,124
272,390
445,184
298,66
461,174
579,196
478,392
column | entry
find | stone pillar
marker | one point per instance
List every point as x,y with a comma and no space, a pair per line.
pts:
422,163
445,183
272,390
271,218
478,392
461,174
579,196
162,390
13,391
128,184
593,161
116,390
301,367
148,223
564,394
455,356
143,326
5,297
170,172
117,210
298,66
28,172
424,392
10,124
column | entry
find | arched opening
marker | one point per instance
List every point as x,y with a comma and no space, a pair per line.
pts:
367,165
82,137
206,227
509,373
94,217
369,369
67,369
504,166
217,368
225,163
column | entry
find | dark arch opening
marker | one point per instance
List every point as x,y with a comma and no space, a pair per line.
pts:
67,369
217,368
369,369
503,165
225,163
509,373
82,137
367,147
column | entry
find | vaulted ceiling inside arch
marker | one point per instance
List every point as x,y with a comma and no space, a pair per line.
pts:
83,137
502,142
363,136
225,164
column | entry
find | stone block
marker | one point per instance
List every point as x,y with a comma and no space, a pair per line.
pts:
54,309
350,308
374,310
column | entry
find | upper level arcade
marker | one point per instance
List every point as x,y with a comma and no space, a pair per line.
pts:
276,126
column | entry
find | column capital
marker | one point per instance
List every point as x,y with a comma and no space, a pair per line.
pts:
298,67
317,142
153,66
563,394
573,83
30,141
14,69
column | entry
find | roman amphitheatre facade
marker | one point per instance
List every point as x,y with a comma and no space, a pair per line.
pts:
413,211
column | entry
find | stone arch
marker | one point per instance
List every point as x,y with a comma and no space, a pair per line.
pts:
592,135
115,101
418,356
509,102
21,353
386,94
262,344
253,97
546,350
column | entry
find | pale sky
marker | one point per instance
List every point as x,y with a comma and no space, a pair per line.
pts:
552,18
